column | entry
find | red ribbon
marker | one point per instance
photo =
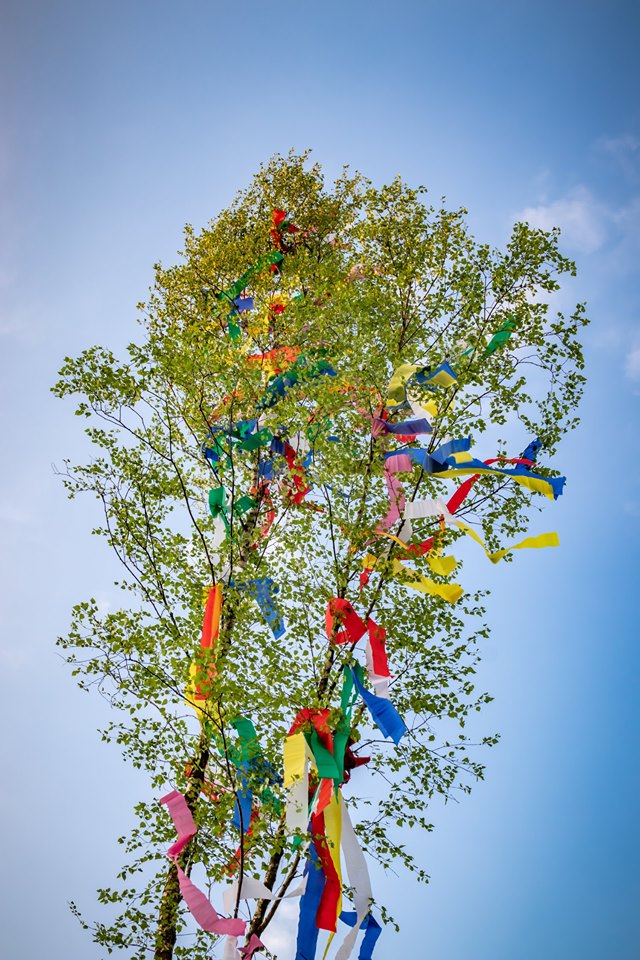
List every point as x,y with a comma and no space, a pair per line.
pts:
318,717
328,908
296,470
453,504
353,629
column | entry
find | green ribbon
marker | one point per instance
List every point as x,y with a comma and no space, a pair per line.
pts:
218,505
331,765
260,438
233,327
243,504
236,288
343,730
251,758
500,337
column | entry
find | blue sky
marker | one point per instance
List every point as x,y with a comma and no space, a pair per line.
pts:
122,121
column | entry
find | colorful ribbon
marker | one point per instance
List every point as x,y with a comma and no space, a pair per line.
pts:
445,464
201,677
326,828
307,938
200,907
451,592
353,629
382,711
372,931
263,590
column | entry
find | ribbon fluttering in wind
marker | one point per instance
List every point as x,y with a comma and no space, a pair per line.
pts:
353,628
200,907
447,464
317,750
263,590
201,676
382,711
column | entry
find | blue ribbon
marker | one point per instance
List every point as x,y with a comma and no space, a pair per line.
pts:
532,451
556,483
372,931
382,711
243,303
263,590
307,940
427,374
446,450
409,426
441,459
243,805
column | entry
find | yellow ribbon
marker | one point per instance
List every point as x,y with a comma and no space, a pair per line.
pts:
536,484
297,757
542,540
411,578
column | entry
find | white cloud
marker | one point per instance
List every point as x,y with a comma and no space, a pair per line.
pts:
12,513
581,218
625,150
632,364
14,657
280,937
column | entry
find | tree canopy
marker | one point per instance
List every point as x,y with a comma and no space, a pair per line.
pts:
298,438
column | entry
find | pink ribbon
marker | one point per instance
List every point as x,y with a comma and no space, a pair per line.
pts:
201,909
396,494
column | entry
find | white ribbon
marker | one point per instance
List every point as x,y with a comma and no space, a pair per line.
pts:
418,509
358,879
380,684
253,889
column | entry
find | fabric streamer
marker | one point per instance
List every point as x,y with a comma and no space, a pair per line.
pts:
249,760
201,676
231,951
268,259
200,907
372,931
500,337
451,592
397,396
326,828
307,939
318,904
353,629
396,499
301,369
358,879
212,613
448,467
297,759
437,508
408,428
253,889
551,487
263,590
382,711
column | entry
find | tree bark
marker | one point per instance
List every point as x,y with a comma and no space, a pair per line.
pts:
166,930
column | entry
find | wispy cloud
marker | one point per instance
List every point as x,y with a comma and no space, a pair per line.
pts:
624,150
280,938
632,364
580,216
12,513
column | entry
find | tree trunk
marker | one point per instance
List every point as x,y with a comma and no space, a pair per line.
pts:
166,931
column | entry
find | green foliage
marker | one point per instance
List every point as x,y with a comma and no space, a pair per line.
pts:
375,278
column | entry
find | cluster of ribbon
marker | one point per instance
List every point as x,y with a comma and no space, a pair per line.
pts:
317,754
